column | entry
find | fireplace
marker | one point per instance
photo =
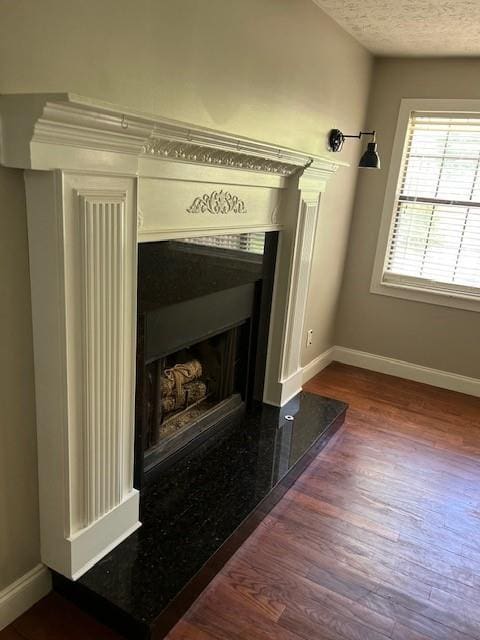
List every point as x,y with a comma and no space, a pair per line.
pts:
203,315
106,185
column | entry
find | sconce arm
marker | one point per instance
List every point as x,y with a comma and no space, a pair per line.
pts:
336,138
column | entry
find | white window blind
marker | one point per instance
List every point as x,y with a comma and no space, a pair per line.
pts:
249,242
435,237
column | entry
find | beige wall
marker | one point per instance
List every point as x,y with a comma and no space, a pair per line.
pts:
425,334
18,464
278,70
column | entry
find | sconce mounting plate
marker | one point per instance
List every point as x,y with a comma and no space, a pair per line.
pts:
336,140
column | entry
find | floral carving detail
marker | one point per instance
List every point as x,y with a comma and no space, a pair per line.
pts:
217,202
194,153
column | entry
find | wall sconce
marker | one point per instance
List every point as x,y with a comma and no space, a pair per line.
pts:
369,160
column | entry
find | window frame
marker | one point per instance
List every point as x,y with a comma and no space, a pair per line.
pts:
408,290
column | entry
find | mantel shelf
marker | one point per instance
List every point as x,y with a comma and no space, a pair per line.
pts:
35,125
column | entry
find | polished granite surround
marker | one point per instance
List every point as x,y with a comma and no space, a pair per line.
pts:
172,272
199,510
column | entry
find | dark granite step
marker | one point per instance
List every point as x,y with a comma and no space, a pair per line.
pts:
199,511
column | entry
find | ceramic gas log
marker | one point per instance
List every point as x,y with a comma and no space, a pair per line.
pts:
180,386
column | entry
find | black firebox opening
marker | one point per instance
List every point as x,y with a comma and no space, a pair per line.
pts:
204,310
193,387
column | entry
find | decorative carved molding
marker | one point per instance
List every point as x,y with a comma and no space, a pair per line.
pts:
35,126
195,153
217,202
140,219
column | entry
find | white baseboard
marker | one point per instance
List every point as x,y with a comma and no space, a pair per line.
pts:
318,364
408,370
23,594
392,367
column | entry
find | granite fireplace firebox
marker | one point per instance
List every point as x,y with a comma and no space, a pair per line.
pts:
202,322
104,185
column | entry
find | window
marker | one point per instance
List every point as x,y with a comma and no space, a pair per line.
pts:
433,241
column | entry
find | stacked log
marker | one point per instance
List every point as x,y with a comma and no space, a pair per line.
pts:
180,386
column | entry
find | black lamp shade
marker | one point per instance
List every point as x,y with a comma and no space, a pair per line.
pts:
370,159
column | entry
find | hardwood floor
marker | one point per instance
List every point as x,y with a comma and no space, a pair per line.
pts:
380,537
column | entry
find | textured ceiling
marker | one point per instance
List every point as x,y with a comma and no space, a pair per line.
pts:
410,27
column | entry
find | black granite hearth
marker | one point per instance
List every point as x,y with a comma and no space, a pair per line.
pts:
199,511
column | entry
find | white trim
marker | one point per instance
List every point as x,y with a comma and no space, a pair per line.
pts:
38,127
317,364
85,430
289,388
105,551
23,594
420,294
94,542
408,370
404,291
278,393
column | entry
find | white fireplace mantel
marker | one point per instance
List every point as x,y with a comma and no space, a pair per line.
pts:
99,179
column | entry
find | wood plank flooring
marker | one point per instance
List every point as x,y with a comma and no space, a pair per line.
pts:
380,537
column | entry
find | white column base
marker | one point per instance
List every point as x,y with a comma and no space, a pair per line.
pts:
91,544
279,393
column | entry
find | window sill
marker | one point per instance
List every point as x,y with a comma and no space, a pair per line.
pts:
428,296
